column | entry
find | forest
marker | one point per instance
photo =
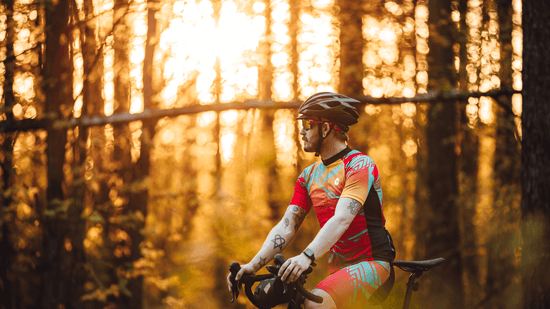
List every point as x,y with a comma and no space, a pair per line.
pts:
147,144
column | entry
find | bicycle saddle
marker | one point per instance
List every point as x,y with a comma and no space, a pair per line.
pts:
418,266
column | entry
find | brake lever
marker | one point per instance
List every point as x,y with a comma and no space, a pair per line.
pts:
308,271
299,286
272,269
234,268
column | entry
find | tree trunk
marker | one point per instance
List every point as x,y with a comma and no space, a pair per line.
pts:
351,47
536,155
265,93
8,172
468,170
59,287
501,290
93,104
139,200
120,160
442,237
295,8
468,167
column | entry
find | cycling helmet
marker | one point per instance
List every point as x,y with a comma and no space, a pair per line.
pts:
337,109
333,107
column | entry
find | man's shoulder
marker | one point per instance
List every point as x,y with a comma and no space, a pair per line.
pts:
355,155
357,160
310,168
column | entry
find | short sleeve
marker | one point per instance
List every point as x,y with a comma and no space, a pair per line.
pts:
301,196
359,178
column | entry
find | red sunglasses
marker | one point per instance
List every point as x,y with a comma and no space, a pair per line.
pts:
307,123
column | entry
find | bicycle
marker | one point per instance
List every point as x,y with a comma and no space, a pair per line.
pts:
271,291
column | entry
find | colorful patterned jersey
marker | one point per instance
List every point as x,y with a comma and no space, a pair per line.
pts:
354,175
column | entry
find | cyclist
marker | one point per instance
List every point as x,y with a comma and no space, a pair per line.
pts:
344,190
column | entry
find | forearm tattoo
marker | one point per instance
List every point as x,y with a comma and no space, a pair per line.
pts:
278,242
262,262
298,213
287,222
354,207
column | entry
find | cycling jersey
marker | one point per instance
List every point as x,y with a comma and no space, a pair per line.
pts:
350,174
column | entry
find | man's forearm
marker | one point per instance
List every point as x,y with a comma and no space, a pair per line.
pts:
277,240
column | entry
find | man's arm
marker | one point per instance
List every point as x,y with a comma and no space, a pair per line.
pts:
280,236
346,210
277,240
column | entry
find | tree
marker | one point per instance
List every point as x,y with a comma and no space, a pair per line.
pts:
351,47
442,237
501,288
468,169
535,163
59,287
139,199
8,171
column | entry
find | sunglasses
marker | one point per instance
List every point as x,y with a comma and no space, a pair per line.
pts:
308,123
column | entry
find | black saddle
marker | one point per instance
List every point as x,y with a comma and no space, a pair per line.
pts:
417,266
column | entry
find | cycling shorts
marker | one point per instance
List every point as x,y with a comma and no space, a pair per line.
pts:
355,285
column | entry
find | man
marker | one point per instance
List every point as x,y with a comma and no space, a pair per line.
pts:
344,190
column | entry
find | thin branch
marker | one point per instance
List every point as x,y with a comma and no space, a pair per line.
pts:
49,121
73,26
442,96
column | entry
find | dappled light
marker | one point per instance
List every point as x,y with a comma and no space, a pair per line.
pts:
317,50
149,213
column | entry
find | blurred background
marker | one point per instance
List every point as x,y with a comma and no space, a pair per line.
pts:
148,144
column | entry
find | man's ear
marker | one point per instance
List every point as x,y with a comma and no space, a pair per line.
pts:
326,129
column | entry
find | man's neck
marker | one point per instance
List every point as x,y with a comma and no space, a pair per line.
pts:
331,148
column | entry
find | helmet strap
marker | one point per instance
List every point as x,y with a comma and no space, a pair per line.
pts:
322,138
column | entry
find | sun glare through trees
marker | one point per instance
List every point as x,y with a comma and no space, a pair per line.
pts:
150,212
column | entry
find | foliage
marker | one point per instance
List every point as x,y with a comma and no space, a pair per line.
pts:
161,231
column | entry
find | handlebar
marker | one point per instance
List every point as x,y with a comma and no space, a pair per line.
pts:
248,280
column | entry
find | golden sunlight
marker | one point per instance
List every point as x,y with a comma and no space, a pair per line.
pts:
517,63
318,50
490,63
474,23
284,130
78,73
228,136
24,40
422,34
211,177
281,48
108,76
3,33
232,39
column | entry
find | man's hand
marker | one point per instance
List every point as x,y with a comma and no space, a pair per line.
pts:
292,269
245,269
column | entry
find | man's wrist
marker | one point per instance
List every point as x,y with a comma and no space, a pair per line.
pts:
309,254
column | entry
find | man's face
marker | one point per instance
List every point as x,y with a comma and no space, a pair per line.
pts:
310,137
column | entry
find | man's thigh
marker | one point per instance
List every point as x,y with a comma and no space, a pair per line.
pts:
328,302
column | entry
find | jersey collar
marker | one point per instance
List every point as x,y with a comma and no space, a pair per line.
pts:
336,157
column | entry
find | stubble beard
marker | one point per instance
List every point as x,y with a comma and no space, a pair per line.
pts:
311,144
